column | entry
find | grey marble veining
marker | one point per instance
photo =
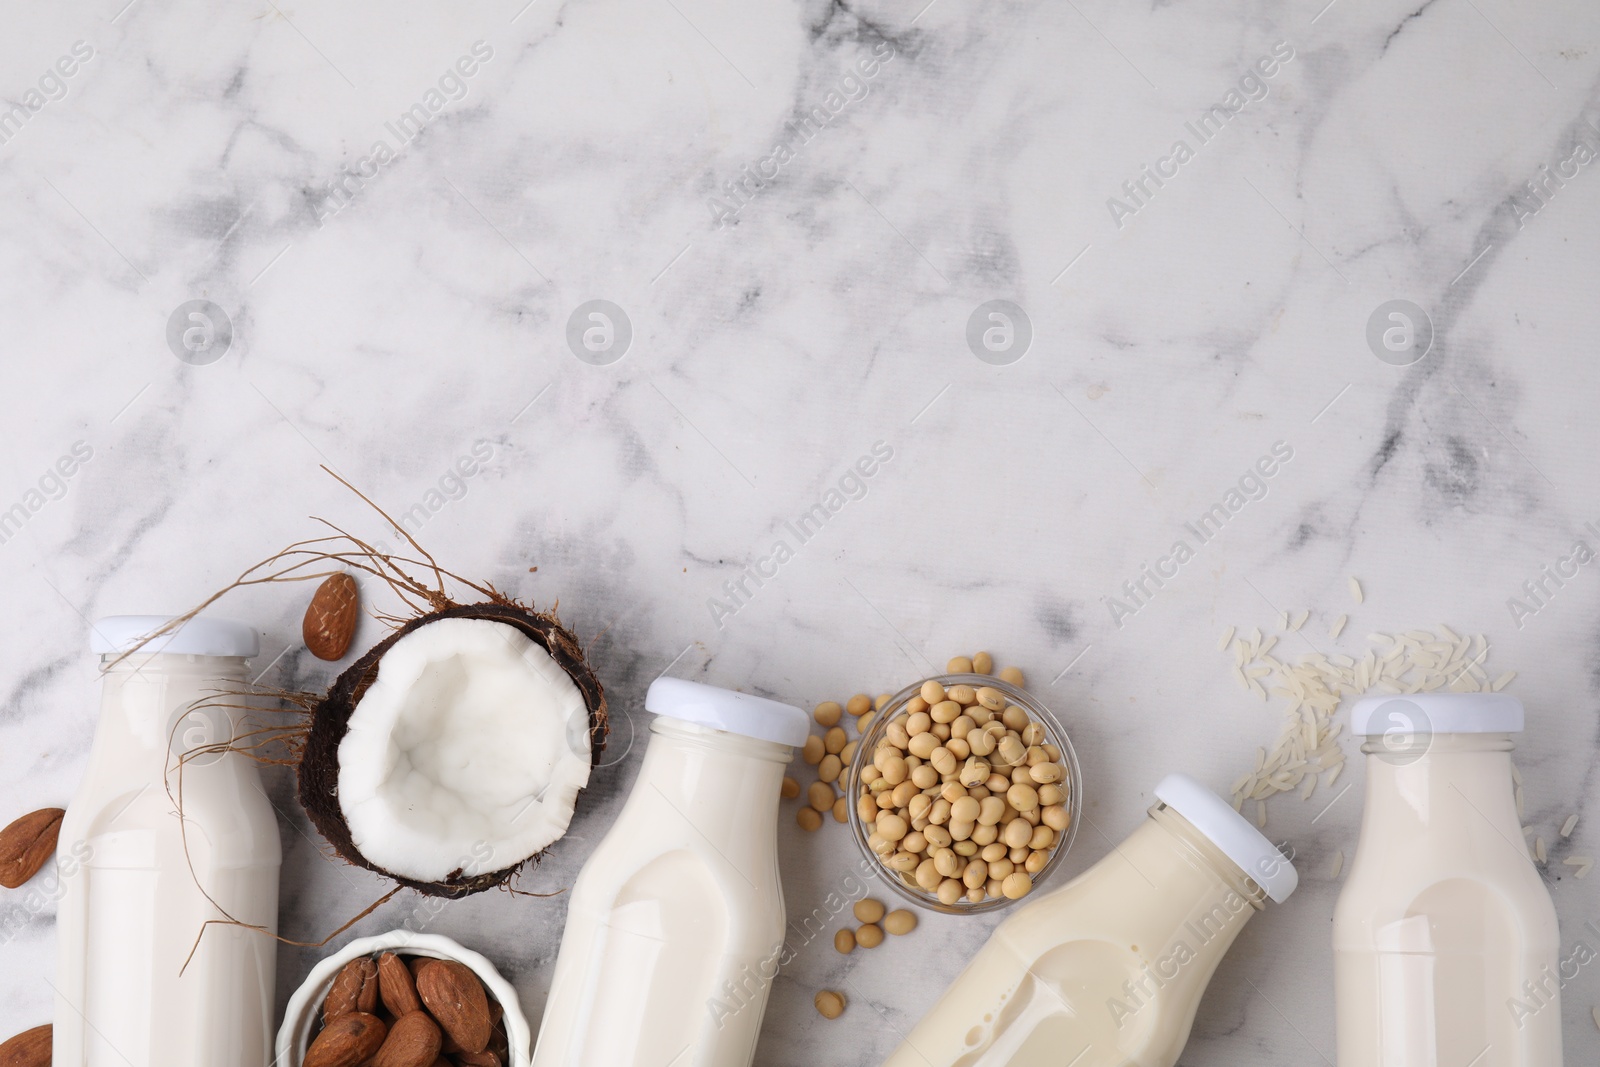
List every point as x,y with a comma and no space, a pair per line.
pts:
799,211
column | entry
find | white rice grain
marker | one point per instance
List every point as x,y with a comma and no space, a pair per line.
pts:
1338,626
1355,591
1570,825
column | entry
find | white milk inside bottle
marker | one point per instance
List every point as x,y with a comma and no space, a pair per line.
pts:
1108,970
139,884
1445,941
675,925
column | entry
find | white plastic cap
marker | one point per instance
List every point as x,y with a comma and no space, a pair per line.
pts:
1437,713
724,709
200,636
1232,833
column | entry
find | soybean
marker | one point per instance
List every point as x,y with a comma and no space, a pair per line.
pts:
900,922
1016,884
868,910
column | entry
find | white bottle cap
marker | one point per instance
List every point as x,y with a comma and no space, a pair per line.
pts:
1232,833
1437,713
724,709
200,636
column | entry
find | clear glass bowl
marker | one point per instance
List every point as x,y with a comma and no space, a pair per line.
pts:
1055,734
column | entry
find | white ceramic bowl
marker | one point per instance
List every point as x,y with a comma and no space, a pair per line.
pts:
301,1014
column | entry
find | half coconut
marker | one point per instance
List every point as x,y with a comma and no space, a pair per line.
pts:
452,753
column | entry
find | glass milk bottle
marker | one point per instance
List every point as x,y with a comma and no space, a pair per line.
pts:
676,923
1444,937
138,895
1107,971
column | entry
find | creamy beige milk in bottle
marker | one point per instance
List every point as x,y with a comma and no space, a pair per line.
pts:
1107,970
676,923
1445,941
133,903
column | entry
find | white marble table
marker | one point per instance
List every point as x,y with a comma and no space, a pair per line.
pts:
800,249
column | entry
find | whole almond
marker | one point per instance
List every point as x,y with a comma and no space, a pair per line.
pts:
31,1048
348,1041
331,617
455,998
396,986
413,1041
27,844
354,989
368,1000
477,1059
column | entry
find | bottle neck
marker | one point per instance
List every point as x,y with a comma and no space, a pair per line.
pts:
1201,849
1455,777
1409,750
155,701
711,776
121,667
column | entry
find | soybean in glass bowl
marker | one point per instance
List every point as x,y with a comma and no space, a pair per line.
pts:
1054,734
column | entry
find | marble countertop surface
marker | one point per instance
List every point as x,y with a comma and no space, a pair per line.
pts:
1076,266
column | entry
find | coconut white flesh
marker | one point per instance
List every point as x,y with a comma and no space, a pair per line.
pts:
466,752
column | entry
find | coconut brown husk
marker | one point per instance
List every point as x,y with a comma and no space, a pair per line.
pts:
316,722
319,761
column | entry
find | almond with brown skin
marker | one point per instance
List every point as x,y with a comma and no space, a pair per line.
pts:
455,998
348,1041
396,986
477,1059
31,1048
367,1000
330,622
27,844
354,989
413,1041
